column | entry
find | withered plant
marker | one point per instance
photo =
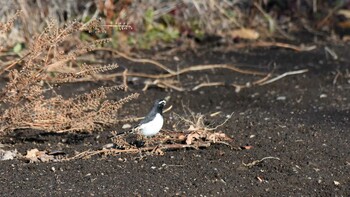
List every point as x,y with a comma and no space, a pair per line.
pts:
24,99
190,131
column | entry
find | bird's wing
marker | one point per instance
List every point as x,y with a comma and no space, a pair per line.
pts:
132,130
147,118
150,116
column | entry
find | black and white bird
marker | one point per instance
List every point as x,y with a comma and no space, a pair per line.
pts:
153,122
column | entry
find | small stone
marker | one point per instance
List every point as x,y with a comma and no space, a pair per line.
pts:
126,126
53,169
336,183
109,146
281,98
8,154
323,96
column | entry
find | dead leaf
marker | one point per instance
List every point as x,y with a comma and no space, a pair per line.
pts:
159,151
248,34
247,147
191,128
214,137
7,154
34,155
191,137
182,137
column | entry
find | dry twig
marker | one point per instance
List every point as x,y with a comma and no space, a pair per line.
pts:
275,44
138,60
284,75
253,163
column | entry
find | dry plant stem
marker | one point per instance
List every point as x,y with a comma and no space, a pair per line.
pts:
253,163
237,86
284,75
272,23
125,80
275,44
87,154
192,69
329,15
163,84
214,66
260,82
138,60
182,71
13,63
224,122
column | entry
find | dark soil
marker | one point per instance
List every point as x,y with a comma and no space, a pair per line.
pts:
303,120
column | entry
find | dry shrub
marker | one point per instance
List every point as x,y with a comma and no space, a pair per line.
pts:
24,95
196,130
87,112
36,15
189,131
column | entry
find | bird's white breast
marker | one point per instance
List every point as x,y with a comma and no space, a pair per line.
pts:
153,127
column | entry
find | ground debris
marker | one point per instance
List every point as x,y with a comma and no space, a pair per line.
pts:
34,155
8,154
196,136
256,162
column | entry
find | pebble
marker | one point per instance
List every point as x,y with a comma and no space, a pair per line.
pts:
108,146
281,98
8,154
126,126
323,96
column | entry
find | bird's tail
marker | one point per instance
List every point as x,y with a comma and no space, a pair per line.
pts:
132,130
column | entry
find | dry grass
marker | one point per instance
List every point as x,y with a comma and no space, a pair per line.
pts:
192,134
24,100
266,19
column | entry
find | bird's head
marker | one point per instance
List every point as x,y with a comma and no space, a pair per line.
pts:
160,103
